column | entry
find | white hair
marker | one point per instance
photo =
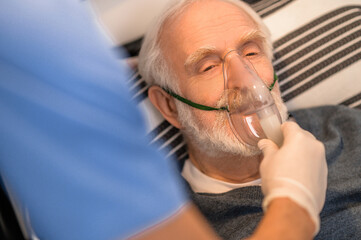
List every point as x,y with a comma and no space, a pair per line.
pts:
152,63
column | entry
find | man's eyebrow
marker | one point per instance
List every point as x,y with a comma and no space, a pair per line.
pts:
205,51
255,35
198,55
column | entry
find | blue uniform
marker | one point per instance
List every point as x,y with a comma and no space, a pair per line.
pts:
74,158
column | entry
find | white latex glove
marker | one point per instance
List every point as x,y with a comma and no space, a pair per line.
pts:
297,170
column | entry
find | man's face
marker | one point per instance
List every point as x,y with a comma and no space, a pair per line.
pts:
197,41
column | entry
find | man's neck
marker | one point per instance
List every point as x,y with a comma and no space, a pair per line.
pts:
228,168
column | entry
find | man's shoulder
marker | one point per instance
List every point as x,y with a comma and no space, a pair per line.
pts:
325,109
323,120
318,115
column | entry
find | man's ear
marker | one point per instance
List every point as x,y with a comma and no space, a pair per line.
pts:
165,104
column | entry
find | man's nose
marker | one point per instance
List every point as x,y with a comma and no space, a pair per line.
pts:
238,72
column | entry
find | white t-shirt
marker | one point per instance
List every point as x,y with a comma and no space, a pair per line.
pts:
200,182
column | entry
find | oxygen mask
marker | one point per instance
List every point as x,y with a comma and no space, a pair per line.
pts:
252,112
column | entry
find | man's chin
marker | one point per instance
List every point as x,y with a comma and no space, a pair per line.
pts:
232,154
218,141
215,141
244,151
224,147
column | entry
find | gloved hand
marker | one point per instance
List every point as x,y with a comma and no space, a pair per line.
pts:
297,170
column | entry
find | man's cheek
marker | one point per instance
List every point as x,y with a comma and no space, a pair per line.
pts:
267,76
265,72
204,119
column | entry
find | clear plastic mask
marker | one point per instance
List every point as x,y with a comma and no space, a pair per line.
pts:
252,114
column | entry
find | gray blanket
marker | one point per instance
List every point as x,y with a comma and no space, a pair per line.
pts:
235,214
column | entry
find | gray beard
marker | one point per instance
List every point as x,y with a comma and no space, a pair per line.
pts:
218,140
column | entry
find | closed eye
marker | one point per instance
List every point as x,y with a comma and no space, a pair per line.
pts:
251,54
209,68
251,49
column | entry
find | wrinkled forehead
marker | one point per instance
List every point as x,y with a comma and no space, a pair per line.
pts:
204,23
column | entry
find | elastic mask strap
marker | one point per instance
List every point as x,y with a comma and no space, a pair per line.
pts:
207,108
275,79
193,104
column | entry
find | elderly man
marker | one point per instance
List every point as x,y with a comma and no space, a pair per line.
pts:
182,58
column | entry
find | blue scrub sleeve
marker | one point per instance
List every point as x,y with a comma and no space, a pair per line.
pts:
74,158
